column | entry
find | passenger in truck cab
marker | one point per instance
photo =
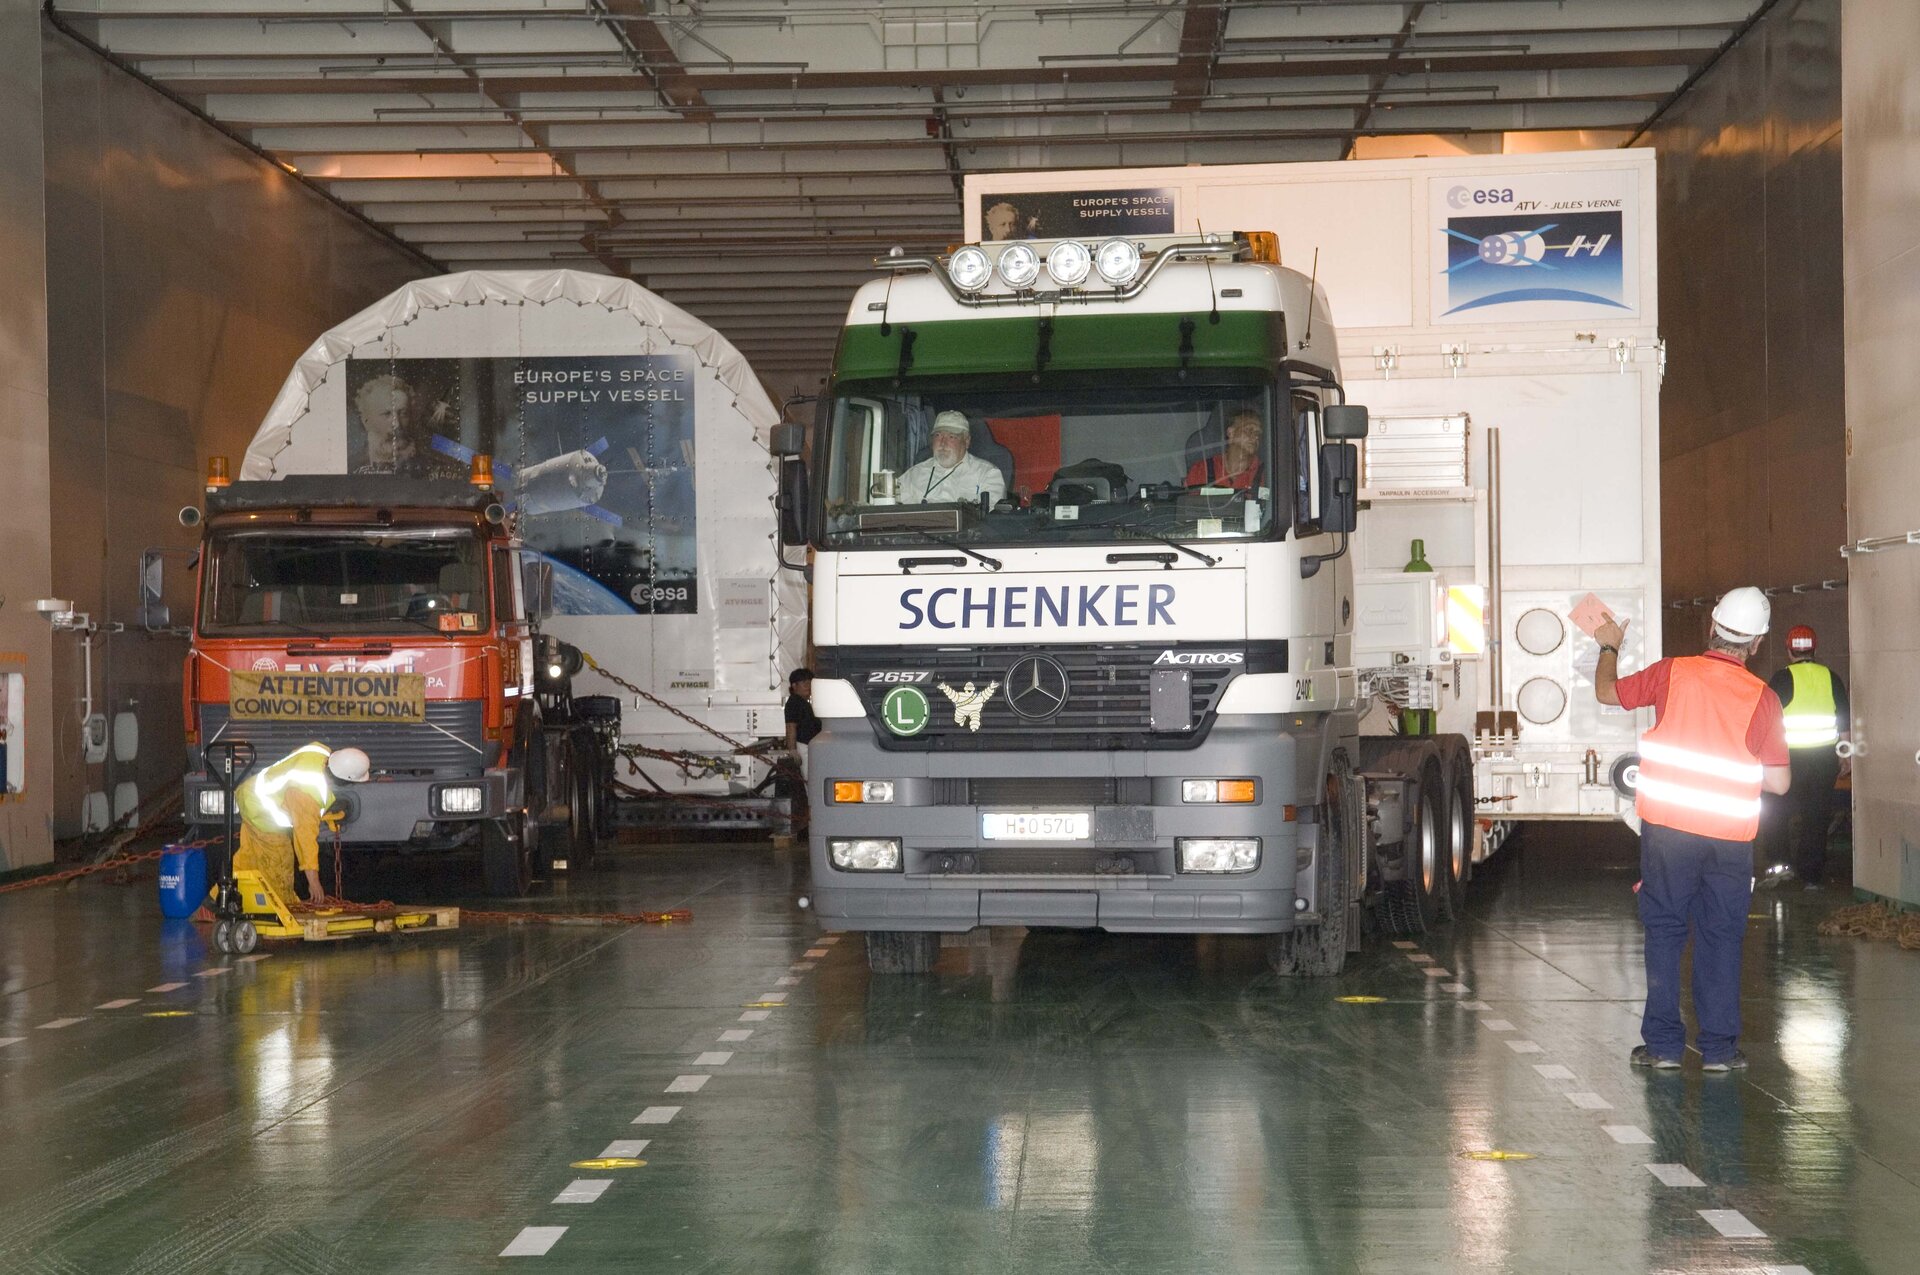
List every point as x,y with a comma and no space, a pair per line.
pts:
950,476
1238,466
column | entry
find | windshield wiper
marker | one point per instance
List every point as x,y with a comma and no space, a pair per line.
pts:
945,543
1133,526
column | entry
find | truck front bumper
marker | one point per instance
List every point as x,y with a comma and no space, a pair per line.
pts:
389,812
1125,877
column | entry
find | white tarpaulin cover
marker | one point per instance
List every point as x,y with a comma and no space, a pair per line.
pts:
632,441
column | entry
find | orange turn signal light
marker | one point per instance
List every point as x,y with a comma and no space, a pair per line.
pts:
1237,791
1263,246
217,473
481,472
847,791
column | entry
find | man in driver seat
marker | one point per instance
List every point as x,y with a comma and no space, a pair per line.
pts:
950,476
1238,466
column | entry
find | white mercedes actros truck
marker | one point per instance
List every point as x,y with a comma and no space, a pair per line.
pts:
1126,618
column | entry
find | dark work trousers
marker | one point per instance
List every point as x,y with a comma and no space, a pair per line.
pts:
1703,884
1809,809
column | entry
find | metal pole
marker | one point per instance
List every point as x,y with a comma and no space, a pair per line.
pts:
1496,625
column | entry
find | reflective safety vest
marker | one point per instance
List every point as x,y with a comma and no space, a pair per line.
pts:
261,800
1813,717
1696,773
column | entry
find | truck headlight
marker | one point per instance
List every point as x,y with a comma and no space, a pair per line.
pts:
863,792
1019,265
1218,854
1231,791
1118,261
865,854
969,269
462,799
1069,263
213,802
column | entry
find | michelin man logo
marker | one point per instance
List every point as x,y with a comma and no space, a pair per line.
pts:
968,703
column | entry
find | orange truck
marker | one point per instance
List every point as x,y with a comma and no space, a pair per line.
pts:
401,616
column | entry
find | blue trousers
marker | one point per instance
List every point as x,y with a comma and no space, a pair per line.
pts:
1690,882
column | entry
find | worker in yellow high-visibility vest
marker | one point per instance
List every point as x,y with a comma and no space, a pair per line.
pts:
1819,719
280,811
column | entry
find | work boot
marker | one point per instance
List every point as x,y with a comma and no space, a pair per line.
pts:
1736,1062
1644,1057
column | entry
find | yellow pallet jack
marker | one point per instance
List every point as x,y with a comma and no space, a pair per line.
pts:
248,909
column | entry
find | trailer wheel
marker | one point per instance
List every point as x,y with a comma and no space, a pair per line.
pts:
1321,951
1416,903
1459,829
584,823
902,951
506,867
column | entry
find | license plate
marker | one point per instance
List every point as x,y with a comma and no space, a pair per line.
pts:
1036,826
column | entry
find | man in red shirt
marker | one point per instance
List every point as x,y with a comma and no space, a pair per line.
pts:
1718,741
1238,466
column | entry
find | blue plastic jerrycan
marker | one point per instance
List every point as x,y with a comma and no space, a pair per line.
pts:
183,880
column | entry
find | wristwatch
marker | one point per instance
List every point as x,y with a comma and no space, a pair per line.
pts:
1605,647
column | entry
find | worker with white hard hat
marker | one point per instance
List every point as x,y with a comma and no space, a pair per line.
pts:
1718,741
950,476
281,808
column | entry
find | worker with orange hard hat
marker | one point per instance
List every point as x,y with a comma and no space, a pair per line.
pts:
1819,737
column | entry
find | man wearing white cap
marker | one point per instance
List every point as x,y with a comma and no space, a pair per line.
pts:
950,476
1717,743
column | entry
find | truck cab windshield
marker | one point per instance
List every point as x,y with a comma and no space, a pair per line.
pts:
323,582
1052,464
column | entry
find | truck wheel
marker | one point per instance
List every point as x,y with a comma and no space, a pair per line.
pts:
583,823
506,868
1321,951
902,951
1416,903
1459,828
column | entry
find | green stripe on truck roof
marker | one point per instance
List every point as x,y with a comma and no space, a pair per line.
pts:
1080,342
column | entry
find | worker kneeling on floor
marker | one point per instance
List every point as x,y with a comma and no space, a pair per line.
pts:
281,809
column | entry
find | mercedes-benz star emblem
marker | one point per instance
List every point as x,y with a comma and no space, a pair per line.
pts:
1036,687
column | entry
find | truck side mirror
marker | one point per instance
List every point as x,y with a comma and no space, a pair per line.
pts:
1340,483
1344,421
793,501
536,581
787,439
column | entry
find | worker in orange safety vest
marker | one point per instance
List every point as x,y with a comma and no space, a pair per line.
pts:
1718,741
280,811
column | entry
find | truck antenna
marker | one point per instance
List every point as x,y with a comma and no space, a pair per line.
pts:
1213,315
1313,284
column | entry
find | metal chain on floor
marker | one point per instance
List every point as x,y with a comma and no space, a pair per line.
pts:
692,765
109,865
1874,921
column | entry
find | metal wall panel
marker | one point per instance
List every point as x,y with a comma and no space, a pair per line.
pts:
1753,413
24,564
187,275
1882,280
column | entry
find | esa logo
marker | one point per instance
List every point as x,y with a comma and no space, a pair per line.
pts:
1200,657
1461,196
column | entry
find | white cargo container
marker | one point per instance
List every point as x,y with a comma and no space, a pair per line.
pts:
632,438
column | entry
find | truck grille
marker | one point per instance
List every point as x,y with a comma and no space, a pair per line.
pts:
1107,704
444,744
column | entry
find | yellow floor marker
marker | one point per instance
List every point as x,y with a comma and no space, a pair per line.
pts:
609,1162
1496,1155
1361,1000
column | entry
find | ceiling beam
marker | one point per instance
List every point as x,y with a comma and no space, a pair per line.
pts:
1376,84
676,87
1202,27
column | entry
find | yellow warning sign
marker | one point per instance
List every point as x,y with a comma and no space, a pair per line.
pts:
328,697
609,1162
1361,1000
1496,1155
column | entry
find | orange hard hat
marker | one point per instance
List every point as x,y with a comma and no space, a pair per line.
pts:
1801,640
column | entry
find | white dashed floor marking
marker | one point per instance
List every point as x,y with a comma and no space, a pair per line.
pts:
1418,958
167,987
1456,988
714,1058
777,998
658,1115
1629,1136
583,1191
814,952
1587,1100
215,972
1675,1174
688,1084
1785,1270
1405,945
1496,1024
534,1241
1553,1071
734,1035
59,1023
786,980
801,966
119,1004
1523,1047
623,1148
1732,1224
1473,1004
257,956
1434,971
10,1040
756,1016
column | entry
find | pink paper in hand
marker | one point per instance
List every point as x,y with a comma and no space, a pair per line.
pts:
1589,614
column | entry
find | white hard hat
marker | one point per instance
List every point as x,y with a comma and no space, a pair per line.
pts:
1742,615
349,765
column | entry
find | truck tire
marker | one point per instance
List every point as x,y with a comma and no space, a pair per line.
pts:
1457,764
506,867
902,951
1321,950
1416,904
